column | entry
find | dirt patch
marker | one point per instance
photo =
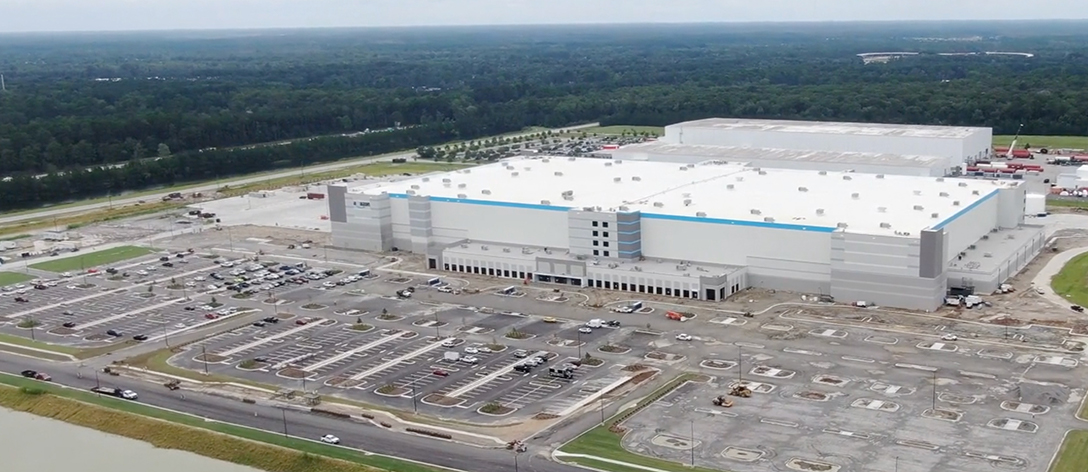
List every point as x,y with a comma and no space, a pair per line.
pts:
592,362
614,348
635,368
545,416
442,400
342,382
642,377
285,316
391,390
212,358
657,355
293,373
810,395
314,306
830,380
495,409
717,364
98,337
62,331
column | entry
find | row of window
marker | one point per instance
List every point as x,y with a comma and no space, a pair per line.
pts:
511,274
598,252
599,233
668,291
599,243
603,224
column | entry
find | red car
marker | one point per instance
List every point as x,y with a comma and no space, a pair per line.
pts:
302,321
441,373
211,316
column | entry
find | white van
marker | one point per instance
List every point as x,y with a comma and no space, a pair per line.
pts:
595,323
452,356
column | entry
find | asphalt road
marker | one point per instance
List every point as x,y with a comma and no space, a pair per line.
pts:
45,213
300,424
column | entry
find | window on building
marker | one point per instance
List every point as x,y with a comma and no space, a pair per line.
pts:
597,243
606,244
607,284
447,266
594,224
596,233
460,268
687,294
491,272
657,290
604,224
606,254
668,291
623,286
596,252
505,273
605,234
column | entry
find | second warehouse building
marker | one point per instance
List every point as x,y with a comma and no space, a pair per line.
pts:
702,231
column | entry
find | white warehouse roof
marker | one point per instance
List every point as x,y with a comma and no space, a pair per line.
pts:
841,128
744,154
728,193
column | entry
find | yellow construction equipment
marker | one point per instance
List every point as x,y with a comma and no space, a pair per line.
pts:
723,402
741,391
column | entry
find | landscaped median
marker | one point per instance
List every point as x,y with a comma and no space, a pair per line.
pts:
93,259
44,350
166,429
603,443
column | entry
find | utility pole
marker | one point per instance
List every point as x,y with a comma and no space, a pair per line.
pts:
165,333
601,400
415,409
96,383
436,333
934,392
740,367
284,411
579,333
30,319
693,443
204,355
896,463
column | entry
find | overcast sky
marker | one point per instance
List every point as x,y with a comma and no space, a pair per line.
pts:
114,15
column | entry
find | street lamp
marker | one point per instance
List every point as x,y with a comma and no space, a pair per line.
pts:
436,323
740,367
579,341
284,412
693,443
204,355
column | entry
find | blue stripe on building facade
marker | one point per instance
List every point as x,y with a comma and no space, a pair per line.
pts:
967,209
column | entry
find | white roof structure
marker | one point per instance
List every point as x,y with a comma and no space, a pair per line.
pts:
744,154
840,128
865,203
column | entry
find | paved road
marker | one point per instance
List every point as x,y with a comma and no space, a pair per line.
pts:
301,424
45,213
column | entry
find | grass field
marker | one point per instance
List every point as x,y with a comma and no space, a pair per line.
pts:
18,229
92,259
1063,203
8,278
1050,142
237,444
1072,281
619,129
1073,456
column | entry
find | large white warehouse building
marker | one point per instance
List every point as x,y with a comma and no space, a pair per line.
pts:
960,145
701,231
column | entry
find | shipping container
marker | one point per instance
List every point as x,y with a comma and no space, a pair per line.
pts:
315,196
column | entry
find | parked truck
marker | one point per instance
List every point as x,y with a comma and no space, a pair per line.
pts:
116,392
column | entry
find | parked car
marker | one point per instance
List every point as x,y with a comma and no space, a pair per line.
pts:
140,337
271,319
683,337
549,319
471,350
259,324
330,439
521,353
585,330
69,324
441,373
30,374
114,333
949,337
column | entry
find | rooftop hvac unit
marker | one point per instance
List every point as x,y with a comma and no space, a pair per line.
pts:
885,225
919,207
572,159
426,179
617,179
700,214
855,196
823,172
943,194
624,208
415,187
934,215
683,168
685,195
687,202
740,178
545,160
819,211
917,192
513,174
411,192
446,181
462,185
757,169
974,192
527,169
618,161
880,176
956,203
756,212
762,172
691,166
963,184
841,225
545,202
658,204
505,249
568,197
636,178
940,179
847,177
802,189
568,193
729,187
768,219
461,195
558,174
485,191
467,171
608,164
881,209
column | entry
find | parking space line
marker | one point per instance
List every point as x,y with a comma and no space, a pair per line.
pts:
392,362
492,376
269,339
352,352
123,315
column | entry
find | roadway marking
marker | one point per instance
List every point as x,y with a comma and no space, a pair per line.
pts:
858,359
259,342
1055,360
728,321
881,340
777,327
492,376
749,345
849,434
977,375
828,333
917,367
778,423
392,362
1004,355
802,351
352,352
302,357
108,319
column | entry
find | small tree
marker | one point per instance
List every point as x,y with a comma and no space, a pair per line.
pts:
214,301
173,281
164,150
150,288
385,311
359,320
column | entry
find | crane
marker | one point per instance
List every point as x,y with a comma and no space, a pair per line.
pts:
1008,154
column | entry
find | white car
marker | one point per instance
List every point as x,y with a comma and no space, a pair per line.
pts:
469,359
151,268
141,272
484,349
199,278
471,350
179,326
445,289
328,285
212,287
949,337
66,275
585,330
448,343
683,337
330,439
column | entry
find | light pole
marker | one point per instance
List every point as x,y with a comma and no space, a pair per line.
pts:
230,240
415,408
740,366
934,392
601,400
30,321
896,463
165,333
579,333
284,411
515,458
693,443
96,383
436,323
204,355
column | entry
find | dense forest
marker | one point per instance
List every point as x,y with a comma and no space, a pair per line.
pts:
184,106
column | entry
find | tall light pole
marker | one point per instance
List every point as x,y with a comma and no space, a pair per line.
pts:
740,366
934,392
204,355
415,408
30,321
284,412
693,443
437,336
579,341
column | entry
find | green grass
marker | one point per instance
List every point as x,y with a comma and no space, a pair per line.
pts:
1073,456
33,353
93,259
1072,281
78,353
8,278
27,342
198,426
1050,142
619,129
1067,203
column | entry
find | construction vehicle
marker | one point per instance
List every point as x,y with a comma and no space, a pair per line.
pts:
721,401
172,385
740,391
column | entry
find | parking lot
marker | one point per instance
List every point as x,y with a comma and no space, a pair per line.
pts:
834,398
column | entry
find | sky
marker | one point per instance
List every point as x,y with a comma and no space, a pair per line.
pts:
126,15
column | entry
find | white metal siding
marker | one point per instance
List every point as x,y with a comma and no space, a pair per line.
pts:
499,224
968,228
730,244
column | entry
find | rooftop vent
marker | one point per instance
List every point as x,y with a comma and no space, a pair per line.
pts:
944,194
919,207
624,208
740,178
917,192
974,192
841,225
762,172
684,168
446,181
467,171
768,219
462,185
940,179
757,169
513,174
819,211
847,177
934,215
545,160
687,202
617,161
802,189
608,164
572,159
411,192
700,214
691,166
880,176
729,187
558,174
617,179
415,187
823,172
545,202
756,212
956,203
426,179
461,195
568,193
527,169
485,191
855,196
885,225
963,184
636,178
881,209
658,204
